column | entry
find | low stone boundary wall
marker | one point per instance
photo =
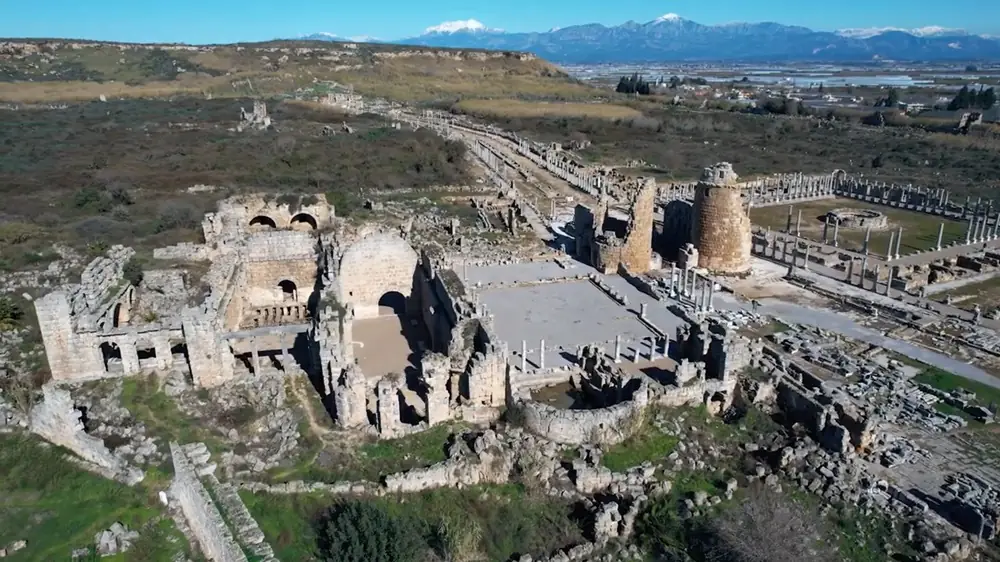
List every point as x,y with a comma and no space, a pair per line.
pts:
202,515
247,531
604,426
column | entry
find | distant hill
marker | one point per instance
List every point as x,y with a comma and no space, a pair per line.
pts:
49,70
673,38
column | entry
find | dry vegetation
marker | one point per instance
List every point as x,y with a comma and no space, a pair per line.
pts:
414,74
103,173
677,142
526,109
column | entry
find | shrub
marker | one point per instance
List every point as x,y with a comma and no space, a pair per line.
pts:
132,272
176,215
10,313
355,531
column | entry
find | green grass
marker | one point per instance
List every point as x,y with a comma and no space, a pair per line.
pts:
943,380
371,461
510,519
151,406
647,444
57,507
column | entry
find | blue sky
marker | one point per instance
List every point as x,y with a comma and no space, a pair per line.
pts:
222,21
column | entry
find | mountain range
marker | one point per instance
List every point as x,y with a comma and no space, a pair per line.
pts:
673,38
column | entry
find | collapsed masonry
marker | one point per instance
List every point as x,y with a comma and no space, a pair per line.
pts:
609,238
702,370
285,287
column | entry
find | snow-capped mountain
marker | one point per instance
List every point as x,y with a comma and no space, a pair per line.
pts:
671,37
460,26
929,31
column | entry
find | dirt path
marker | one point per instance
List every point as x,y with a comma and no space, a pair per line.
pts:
295,384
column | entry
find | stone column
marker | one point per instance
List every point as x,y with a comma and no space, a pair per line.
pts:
805,260
673,274
968,231
892,241
130,357
850,272
798,224
788,223
642,311
284,355
652,347
940,237
618,348
868,237
256,357
541,355
711,296
899,241
826,227
864,268
888,285
836,231
524,356
388,406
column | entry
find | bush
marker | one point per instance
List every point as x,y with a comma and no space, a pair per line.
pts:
10,313
354,531
176,215
132,272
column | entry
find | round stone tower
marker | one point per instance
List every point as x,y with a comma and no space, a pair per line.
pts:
721,228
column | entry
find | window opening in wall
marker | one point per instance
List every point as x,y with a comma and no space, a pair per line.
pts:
263,220
288,290
304,219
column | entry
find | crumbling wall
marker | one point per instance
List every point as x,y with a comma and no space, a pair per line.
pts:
604,426
69,356
373,266
57,420
721,228
202,515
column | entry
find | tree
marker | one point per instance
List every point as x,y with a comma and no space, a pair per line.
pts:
962,100
357,531
892,99
767,527
634,84
674,82
987,98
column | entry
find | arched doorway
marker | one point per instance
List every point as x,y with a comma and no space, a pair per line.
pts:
303,221
263,220
289,291
112,356
392,302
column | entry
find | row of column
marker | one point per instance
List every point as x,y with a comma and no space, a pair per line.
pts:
685,283
979,229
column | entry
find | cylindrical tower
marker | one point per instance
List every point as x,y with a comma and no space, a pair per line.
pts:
721,228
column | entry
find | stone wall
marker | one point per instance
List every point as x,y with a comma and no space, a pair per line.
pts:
204,518
57,420
237,216
721,227
373,266
604,426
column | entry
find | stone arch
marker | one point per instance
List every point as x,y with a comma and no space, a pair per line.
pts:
263,220
373,266
289,290
838,177
392,302
303,221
